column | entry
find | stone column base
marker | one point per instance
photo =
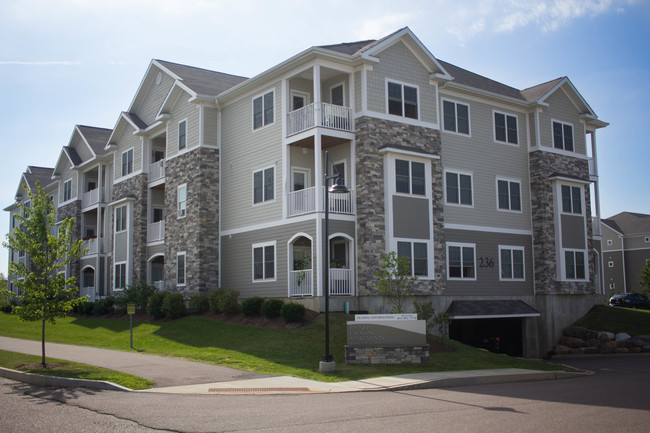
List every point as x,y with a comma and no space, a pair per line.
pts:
327,367
387,355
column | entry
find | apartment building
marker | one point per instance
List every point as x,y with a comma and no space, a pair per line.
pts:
212,180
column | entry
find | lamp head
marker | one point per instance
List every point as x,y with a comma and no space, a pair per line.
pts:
339,187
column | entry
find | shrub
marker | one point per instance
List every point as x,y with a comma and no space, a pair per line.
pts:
155,304
7,305
292,312
173,305
252,306
87,308
103,306
271,308
137,293
213,299
199,302
229,302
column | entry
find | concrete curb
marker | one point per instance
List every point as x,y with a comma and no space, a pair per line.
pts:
40,380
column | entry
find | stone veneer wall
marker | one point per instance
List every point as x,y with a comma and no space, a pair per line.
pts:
135,187
73,210
371,135
197,233
542,166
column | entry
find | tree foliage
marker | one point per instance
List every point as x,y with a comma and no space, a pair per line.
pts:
645,277
45,293
395,280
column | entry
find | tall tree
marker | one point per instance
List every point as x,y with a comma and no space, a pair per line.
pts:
45,293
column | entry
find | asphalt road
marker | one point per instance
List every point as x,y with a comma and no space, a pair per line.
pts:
614,399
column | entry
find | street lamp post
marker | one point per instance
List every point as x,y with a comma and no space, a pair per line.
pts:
327,360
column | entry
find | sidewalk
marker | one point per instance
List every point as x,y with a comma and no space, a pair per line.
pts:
176,376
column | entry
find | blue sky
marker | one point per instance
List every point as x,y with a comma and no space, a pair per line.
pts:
70,62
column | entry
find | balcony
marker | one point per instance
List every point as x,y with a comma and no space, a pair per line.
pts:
319,114
92,197
156,232
157,170
341,282
301,283
304,202
91,246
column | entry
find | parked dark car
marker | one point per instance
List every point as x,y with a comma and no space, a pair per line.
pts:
630,300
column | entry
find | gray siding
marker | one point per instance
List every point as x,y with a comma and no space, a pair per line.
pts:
82,148
561,109
210,132
573,232
610,235
183,110
637,242
613,275
411,218
152,96
127,141
357,91
634,262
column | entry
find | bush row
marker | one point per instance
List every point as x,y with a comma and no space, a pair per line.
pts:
271,308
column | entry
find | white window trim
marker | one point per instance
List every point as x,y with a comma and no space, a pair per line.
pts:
184,283
178,136
275,193
122,174
261,95
126,276
521,191
462,245
126,216
513,248
442,118
427,178
305,171
69,199
573,140
430,268
611,263
582,199
494,128
178,201
402,84
647,239
468,173
610,242
342,84
298,93
275,261
563,264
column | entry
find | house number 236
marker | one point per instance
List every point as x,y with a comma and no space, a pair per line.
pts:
486,262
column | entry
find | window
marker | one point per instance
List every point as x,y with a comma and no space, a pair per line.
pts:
572,199
336,94
120,219
611,264
563,136
120,276
67,190
263,110
574,262
264,262
461,262
508,195
181,201
459,188
402,100
409,177
89,278
180,269
127,162
456,117
416,252
182,135
511,260
505,128
610,242
263,185
298,100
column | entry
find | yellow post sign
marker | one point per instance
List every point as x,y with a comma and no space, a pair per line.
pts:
130,308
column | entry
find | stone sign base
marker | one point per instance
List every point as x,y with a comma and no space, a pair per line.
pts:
387,355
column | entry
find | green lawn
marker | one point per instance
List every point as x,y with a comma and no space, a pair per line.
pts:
61,368
294,352
617,319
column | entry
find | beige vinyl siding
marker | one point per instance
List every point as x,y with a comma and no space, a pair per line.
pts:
121,246
66,175
613,275
531,125
302,158
326,87
357,91
183,110
210,127
609,234
155,251
244,151
152,97
487,161
398,63
637,242
303,86
237,259
128,141
487,278
82,148
561,109
634,262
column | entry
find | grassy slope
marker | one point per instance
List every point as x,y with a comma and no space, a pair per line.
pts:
293,352
617,319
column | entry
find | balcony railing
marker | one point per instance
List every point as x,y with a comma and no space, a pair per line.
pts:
304,202
319,114
156,231
341,281
301,283
160,285
92,246
92,197
157,170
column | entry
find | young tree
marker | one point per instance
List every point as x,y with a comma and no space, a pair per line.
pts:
645,277
395,280
45,292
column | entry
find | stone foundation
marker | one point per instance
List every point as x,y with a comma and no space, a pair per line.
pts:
387,355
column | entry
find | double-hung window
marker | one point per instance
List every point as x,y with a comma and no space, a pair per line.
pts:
505,128
572,199
264,262
508,195
263,110
402,100
458,188
410,177
461,261
455,117
511,263
263,185
120,219
181,201
120,276
67,190
416,253
180,269
563,136
127,162
182,135
574,265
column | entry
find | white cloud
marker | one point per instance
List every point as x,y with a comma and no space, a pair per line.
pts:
374,28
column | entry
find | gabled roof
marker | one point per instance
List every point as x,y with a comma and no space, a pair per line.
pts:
202,82
95,137
349,48
539,92
33,174
476,81
629,223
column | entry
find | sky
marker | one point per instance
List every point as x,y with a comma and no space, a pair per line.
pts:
69,62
